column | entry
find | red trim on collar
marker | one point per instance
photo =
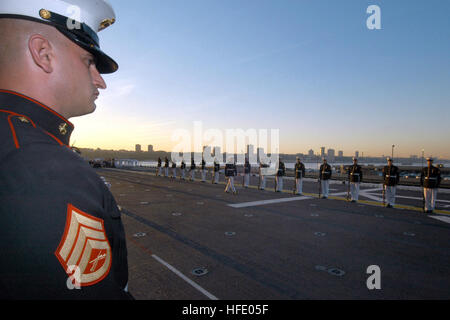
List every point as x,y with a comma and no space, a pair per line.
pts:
39,104
56,139
13,131
16,142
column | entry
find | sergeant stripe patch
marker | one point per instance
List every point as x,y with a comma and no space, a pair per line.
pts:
85,246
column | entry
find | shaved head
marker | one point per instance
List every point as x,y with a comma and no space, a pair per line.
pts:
14,37
40,62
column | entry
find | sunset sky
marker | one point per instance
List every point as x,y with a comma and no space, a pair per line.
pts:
311,69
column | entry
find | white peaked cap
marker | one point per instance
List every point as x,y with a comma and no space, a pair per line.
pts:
79,20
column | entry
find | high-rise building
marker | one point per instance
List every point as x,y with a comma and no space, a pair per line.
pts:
340,153
250,150
138,148
150,148
207,150
331,153
217,155
356,154
322,151
311,153
260,152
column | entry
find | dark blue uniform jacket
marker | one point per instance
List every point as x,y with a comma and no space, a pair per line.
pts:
55,212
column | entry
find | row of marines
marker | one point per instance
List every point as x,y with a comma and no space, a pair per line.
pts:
430,178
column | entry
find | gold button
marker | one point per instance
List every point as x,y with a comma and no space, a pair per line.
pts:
45,14
63,128
23,119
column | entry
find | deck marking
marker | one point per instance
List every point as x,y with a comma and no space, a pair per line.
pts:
174,270
420,198
264,202
440,218
182,276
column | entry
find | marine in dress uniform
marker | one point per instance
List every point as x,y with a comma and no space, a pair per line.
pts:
391,177
203,170
61,231
247,171
324,178
192,171
430,180
230,173
216,172
166,167
174,170
279,177
159,171
183,170
354,177
299,175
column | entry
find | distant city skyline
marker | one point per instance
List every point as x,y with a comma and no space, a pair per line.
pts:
322,152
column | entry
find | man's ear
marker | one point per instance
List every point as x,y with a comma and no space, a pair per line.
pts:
42,52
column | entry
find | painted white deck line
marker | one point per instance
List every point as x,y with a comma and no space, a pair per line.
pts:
264,202
182,276
440,218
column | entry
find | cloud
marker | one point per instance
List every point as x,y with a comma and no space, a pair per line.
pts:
117,90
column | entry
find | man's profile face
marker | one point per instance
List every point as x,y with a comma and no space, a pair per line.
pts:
79,79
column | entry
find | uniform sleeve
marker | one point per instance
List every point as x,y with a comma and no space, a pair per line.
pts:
40,185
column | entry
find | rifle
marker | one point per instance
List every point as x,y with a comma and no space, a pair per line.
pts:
295,182
423,191
385,186
320,186
348,186
348,190
423,201
259,179
320,182
294,191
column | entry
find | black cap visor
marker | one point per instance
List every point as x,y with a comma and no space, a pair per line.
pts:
103,62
